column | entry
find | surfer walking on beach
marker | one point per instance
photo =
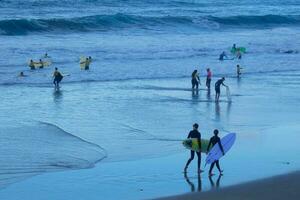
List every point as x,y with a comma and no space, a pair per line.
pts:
213,141
57,78
195,134
195,80
218,87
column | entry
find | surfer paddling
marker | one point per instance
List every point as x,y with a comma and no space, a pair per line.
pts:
213,141
195,134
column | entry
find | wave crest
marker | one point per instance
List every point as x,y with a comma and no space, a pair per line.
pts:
123,21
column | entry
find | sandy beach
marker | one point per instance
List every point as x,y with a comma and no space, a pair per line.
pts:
274,188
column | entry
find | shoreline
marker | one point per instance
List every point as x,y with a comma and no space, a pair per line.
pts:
276,187
94,120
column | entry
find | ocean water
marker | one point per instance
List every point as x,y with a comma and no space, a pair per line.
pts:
145,39
135,102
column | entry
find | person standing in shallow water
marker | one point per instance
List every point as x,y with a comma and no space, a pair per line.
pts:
238,70
208,78
218,87
195,80
195,134
57,78
213,141
31,65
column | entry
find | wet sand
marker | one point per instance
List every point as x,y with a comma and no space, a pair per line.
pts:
278,187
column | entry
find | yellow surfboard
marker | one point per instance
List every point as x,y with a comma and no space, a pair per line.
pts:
192,144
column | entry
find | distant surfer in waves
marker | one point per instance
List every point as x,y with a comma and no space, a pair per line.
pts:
238,71
233,48
195,134
222,56
42,64
31,65
57,78
208,78
218,87
238,55
21,74
213,141
195,80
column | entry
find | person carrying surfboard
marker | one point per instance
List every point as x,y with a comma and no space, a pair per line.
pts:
213,141
218,87
57,78
197,135
41,63
31,65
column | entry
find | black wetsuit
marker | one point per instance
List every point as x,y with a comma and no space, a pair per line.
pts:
57,78
222,56
195,80
31,65
218,85
194,134
215,140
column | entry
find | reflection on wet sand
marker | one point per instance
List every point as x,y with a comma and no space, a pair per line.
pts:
217,111
212,183
191,184
57,96
195,94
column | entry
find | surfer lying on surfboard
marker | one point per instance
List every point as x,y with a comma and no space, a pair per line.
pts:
213,141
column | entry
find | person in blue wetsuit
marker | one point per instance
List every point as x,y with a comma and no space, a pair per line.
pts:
195,134
213,141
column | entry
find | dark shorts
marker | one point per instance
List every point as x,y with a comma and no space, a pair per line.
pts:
58,79
218,91
208,80
194,83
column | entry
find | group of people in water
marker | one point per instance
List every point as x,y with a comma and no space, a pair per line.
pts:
195,134
57,76
40,64
214,140
236,51
196,81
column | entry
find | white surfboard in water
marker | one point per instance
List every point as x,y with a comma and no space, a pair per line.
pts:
215,153
228,94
